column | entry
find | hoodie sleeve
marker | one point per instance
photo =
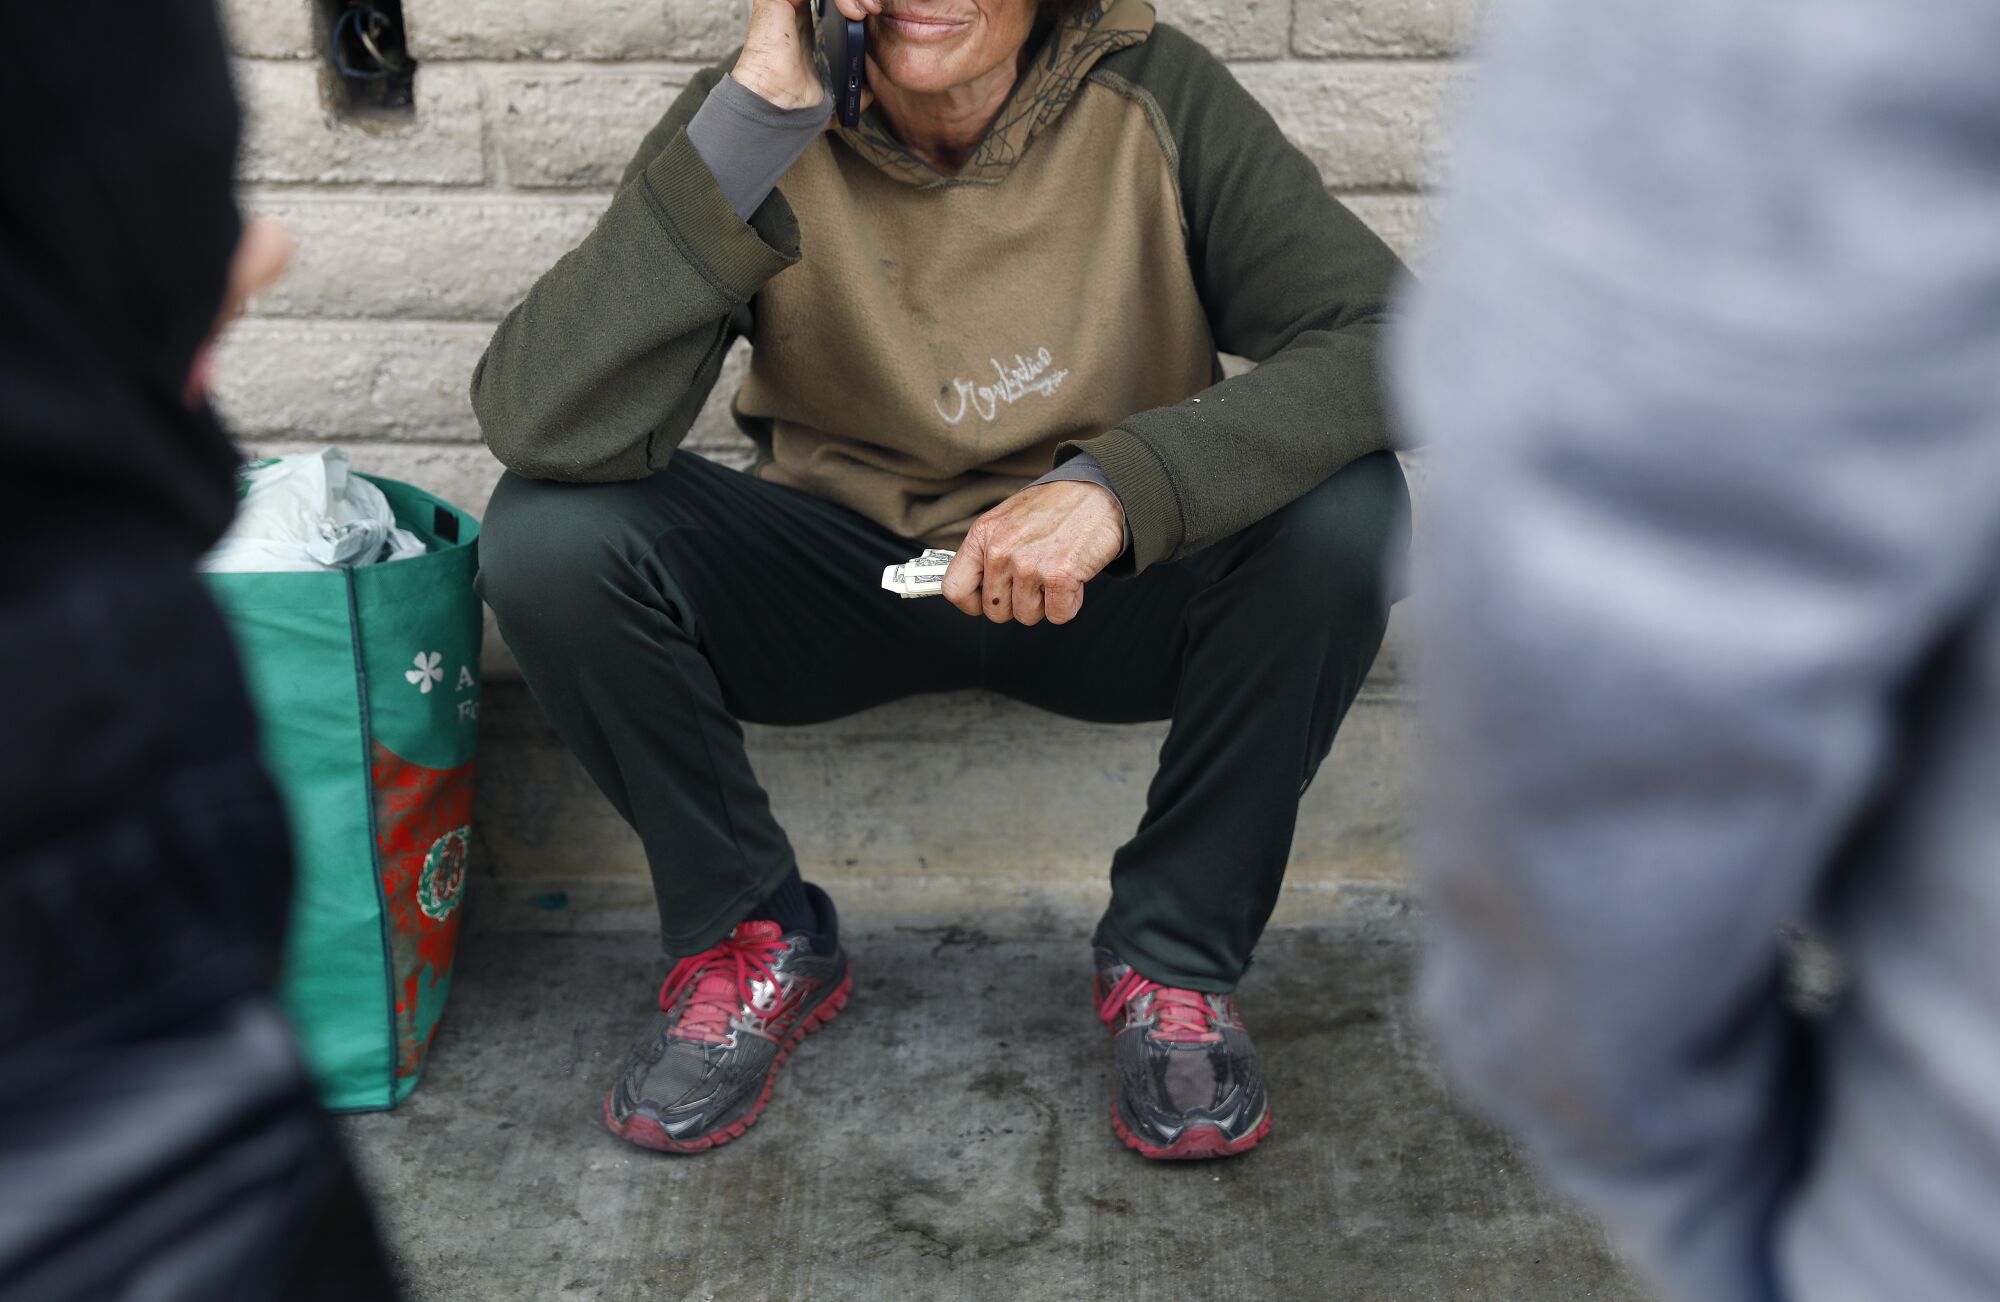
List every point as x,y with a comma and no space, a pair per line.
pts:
1289,278
599,372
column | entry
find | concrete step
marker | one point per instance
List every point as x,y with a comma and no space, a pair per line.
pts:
930,809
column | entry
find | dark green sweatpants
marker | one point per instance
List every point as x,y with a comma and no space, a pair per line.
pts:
649,617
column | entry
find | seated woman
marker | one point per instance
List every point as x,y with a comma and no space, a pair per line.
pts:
986,319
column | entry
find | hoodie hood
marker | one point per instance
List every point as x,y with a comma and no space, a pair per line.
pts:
1045,88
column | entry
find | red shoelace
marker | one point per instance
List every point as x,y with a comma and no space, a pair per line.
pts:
1181,1015
724,983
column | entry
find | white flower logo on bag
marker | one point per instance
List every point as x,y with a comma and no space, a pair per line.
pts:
442,882
428,673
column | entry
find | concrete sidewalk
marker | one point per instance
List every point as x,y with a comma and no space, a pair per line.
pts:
947,1138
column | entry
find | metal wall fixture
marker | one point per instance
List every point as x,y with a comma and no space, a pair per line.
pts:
369,71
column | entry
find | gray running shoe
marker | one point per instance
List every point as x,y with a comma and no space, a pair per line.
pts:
1188,1081
729,1017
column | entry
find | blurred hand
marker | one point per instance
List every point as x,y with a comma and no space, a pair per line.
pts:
1028,558
263,251
777,58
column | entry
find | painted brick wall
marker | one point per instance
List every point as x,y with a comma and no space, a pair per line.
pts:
416,238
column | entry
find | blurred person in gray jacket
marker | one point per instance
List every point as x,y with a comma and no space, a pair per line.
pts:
1710,357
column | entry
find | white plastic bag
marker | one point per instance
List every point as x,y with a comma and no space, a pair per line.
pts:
309,512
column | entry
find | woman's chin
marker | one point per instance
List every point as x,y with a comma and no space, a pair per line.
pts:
919,71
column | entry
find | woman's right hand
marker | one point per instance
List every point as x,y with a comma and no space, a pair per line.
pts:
777,58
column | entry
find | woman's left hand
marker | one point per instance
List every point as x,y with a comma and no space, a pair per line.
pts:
1028,558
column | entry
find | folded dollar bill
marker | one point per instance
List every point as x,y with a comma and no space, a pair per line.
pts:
920,577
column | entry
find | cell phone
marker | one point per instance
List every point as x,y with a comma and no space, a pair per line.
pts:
843,45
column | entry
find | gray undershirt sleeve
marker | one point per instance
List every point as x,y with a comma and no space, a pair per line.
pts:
1084,469
749,143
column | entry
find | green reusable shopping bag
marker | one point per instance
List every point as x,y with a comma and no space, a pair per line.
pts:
367,686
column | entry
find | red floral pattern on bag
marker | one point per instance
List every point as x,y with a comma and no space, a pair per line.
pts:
423,828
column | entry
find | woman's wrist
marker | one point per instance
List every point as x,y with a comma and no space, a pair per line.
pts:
777,58
783,91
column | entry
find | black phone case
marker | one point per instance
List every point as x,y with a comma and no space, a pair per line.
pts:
844,43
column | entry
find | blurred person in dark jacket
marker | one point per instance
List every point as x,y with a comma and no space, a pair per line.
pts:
158,1138
1710,357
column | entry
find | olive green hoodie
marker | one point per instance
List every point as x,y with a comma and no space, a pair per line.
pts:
924,345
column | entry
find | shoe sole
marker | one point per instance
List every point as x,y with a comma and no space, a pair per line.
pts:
648,1133
1196,1145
